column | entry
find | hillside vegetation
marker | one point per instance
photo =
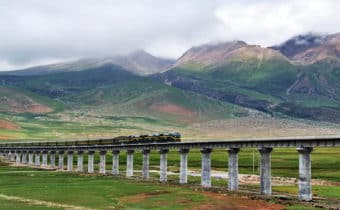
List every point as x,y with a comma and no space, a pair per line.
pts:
212,91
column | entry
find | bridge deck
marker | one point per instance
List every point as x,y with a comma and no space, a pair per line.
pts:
250,143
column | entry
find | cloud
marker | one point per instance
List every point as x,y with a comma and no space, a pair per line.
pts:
38,31
270,22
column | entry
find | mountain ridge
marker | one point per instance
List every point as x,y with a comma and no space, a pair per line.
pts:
138,62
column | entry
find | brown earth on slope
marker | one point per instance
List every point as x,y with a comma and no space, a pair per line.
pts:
25,104
7,125
226,52
173,109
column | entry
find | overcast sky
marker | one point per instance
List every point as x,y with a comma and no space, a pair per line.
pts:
36,32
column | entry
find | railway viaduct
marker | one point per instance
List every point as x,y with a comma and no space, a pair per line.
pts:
21,153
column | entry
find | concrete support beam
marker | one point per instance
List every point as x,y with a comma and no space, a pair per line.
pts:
24,157
206,167
305,174
30,157
129,163
265,171
61,160
52,159
37,158
90,159
163,165
102,164
80,161
70,160
233,169
18,157
44,158
183,176
115,162
145,169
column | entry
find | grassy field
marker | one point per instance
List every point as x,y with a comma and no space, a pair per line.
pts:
28,188
25,188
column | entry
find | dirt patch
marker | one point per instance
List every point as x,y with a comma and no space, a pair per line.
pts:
22,104
7,125
173,109
33,108
234,202
215,201
140,197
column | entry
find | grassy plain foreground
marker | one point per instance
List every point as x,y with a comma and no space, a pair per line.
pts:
25,188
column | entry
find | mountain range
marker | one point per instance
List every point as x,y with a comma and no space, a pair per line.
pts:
296,80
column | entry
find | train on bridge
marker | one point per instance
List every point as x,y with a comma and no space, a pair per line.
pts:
133,139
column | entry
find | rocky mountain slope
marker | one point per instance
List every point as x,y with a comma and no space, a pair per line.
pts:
273,80
311,48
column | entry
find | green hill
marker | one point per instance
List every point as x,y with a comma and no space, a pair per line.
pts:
104,102
271,85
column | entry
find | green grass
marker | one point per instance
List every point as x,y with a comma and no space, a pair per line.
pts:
106,192
92,191
300,207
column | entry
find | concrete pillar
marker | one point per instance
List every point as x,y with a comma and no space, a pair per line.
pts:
305,174
61,160
129,163
233,169
18,157
115,162
30,157
70,160
90,159
44,158
12,156
102,164
37,158
145,169
183,176
9,155
80,161
265,171
52,159
24,157
163,165
5,154
206,167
